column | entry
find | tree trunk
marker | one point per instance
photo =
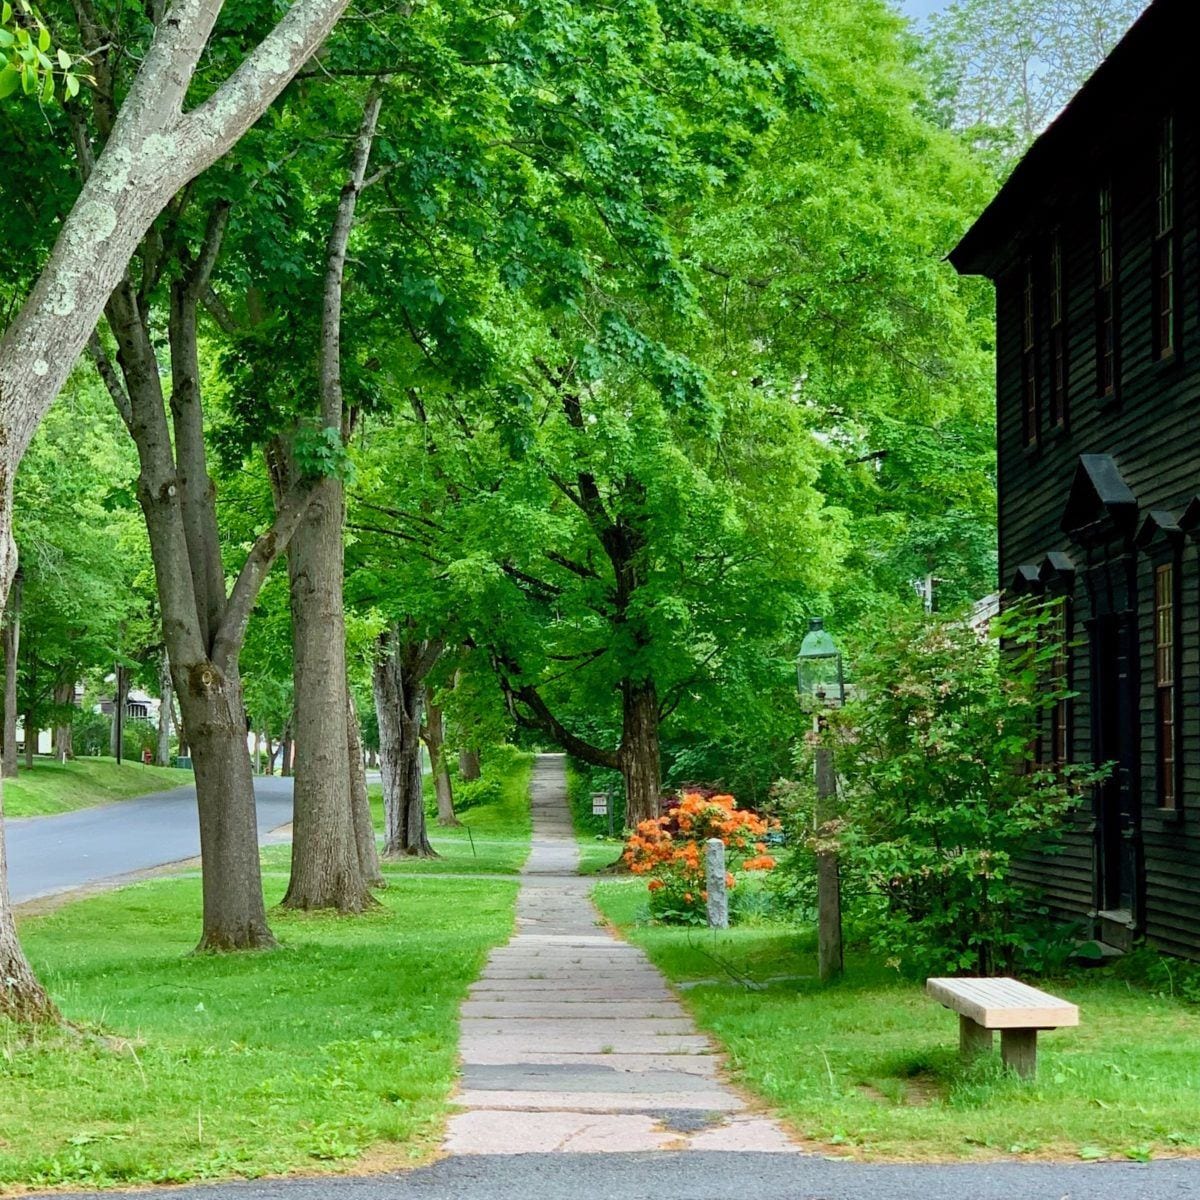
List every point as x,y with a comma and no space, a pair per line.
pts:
435,740
286,747
31,740
639,752
64,702
182,749
468,764
270,768
372,759
325,867
120,697
399,700
12,648
235,915
360,802
162,753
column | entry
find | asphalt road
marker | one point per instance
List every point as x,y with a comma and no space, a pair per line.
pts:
48,855
698,1175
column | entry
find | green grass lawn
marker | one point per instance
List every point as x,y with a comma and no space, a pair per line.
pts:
869,1067
340,1044
54,787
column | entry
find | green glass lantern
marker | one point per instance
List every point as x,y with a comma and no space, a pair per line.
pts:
819,671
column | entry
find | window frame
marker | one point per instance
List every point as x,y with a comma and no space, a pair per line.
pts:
1166,639
1164,284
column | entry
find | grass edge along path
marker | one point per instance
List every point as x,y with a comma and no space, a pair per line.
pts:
869,1068
52,787
334,1053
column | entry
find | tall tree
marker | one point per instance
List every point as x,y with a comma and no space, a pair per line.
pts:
1006,67
152,148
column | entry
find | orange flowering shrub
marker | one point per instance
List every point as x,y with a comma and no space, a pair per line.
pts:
670,850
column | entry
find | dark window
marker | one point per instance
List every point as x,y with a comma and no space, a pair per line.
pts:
1165,642
1029,382
1058,336
1165,252
1106,313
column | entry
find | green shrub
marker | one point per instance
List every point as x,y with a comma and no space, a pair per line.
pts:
941,792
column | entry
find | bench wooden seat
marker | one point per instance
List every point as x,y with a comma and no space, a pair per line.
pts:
1015,1008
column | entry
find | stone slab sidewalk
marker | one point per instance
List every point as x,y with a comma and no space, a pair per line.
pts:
571,1039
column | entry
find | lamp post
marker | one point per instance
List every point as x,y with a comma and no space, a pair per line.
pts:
822,682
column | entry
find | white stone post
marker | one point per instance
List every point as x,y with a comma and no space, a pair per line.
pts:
718,895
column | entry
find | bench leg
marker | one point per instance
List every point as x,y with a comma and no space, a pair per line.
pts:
973,1039
1018,1049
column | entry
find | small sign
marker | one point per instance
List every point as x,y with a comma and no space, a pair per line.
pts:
599,804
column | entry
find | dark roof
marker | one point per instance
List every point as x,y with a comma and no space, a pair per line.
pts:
1100,504
1144,63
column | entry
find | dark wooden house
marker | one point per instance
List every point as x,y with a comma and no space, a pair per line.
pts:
1093,247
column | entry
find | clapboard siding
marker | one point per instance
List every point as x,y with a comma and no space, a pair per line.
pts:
1150,429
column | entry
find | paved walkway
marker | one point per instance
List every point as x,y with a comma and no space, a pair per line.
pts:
571,1041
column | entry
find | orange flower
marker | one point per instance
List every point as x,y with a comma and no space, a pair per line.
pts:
656,885
688,897
763,862
729,879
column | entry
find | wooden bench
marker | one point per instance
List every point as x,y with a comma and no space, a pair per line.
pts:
1015,1008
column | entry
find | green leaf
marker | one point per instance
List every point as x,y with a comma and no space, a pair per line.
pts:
72,84
64,59
10,80
48,88
43,38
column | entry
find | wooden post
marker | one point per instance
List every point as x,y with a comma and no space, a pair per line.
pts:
718,896
973,1039
1018,1049
829,888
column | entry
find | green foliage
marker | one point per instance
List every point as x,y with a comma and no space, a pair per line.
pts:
941,793
29,61
91,733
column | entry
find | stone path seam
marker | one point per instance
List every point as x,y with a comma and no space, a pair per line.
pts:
571,1040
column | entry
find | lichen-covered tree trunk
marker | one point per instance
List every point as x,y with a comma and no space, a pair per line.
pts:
435,741
639,752
12,649
22,997
360,803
